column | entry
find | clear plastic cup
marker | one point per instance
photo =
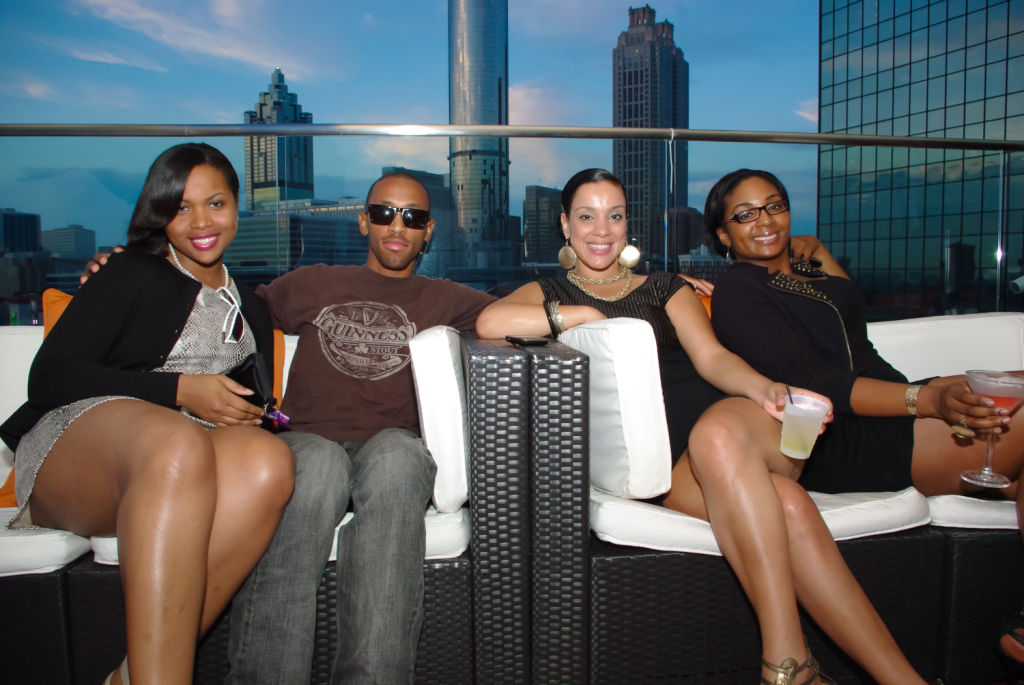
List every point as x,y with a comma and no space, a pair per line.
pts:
801,422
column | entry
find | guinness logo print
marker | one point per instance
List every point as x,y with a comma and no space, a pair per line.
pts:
366,340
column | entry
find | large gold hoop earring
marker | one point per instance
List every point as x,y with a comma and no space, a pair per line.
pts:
629,257
567,256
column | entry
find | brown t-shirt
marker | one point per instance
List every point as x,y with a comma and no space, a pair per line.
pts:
351,376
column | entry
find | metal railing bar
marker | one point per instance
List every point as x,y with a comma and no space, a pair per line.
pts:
451,130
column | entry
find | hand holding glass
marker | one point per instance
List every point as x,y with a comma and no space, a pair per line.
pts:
1007,391
801,422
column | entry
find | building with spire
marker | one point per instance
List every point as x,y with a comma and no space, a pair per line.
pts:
278,169
650,89
478,94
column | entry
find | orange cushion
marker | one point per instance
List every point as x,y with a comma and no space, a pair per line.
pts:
7,498
706,301
54,304
278,365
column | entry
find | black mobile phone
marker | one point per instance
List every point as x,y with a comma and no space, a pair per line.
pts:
526,340
816,263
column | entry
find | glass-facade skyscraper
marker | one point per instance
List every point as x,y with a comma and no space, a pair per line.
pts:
650,89
936,231
478,94
278,169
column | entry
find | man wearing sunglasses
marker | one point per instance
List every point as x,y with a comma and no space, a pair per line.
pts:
356,437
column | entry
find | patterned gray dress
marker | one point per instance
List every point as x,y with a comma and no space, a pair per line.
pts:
199,350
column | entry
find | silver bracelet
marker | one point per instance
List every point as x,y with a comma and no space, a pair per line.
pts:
556,317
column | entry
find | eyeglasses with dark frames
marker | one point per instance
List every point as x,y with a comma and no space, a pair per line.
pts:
383,215
749,214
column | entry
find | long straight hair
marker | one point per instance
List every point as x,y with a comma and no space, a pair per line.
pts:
161,194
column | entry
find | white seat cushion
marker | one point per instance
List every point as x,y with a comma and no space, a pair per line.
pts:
973,341
447,537
957,511
36,551
630,455
444,420
848,516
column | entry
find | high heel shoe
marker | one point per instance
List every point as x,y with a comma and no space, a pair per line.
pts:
124,673
786,673
1014,668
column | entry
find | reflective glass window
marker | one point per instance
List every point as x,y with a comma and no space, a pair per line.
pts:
1015,75
995,79
997,21
996,50
976,32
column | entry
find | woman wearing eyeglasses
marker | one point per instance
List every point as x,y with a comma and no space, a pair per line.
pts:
724,426
807,326
115,438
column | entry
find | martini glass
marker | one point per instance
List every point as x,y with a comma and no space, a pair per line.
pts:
1007,391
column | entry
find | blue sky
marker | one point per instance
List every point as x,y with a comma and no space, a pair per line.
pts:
205,61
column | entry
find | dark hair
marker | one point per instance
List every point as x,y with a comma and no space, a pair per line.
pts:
161,194
715,209
573,186
397,174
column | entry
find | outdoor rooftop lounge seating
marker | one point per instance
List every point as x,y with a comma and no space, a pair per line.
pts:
539,599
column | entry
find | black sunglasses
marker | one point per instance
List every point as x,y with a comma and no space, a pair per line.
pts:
383,215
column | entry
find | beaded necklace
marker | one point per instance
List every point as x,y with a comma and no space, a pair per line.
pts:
188,273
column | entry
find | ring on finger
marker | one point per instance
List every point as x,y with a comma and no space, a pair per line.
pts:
963,420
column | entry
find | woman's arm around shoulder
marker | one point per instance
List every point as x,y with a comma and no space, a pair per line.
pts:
807,247
523,313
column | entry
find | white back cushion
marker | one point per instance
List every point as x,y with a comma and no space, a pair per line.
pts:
18,347
630,454
950,345
444,418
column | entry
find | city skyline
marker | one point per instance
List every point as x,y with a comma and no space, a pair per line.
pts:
143,64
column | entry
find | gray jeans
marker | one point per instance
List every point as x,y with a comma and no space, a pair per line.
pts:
390,479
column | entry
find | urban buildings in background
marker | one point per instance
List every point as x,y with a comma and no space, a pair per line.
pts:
542,235
651,89
478,94
70,241
924,232
278,169
21,231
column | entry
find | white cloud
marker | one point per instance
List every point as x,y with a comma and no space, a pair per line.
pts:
369,20
183,35
809,110
134,60
226,11
426,153
535,103
40,90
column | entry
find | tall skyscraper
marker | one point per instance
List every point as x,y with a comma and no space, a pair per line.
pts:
478,94
278,169
650,89
923,232
20,232
541,210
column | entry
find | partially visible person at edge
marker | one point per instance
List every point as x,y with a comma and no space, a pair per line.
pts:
193,495
779,314
724,427
356,438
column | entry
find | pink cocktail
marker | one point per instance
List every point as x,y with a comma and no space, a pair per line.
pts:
1007,391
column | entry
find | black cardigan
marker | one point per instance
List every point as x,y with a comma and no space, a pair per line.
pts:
124,321
791,335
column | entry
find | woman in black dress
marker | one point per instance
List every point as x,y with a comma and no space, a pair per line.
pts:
806,326
193,508
724,425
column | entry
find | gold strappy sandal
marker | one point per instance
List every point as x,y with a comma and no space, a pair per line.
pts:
786,673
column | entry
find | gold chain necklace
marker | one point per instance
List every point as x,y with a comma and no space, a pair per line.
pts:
599,281
578,281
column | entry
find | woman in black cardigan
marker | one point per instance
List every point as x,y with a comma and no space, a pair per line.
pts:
193,509
807,327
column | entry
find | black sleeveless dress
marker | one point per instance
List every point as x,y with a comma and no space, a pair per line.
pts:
686,394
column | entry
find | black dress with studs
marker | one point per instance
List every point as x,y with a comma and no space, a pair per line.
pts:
686,394
813,335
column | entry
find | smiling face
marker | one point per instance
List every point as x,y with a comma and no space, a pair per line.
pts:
394,248
765,239
205,225
597,227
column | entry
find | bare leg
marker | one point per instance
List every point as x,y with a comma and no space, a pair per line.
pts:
776,541
158,487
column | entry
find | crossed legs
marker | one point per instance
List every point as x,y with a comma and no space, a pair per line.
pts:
773,536
193,511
